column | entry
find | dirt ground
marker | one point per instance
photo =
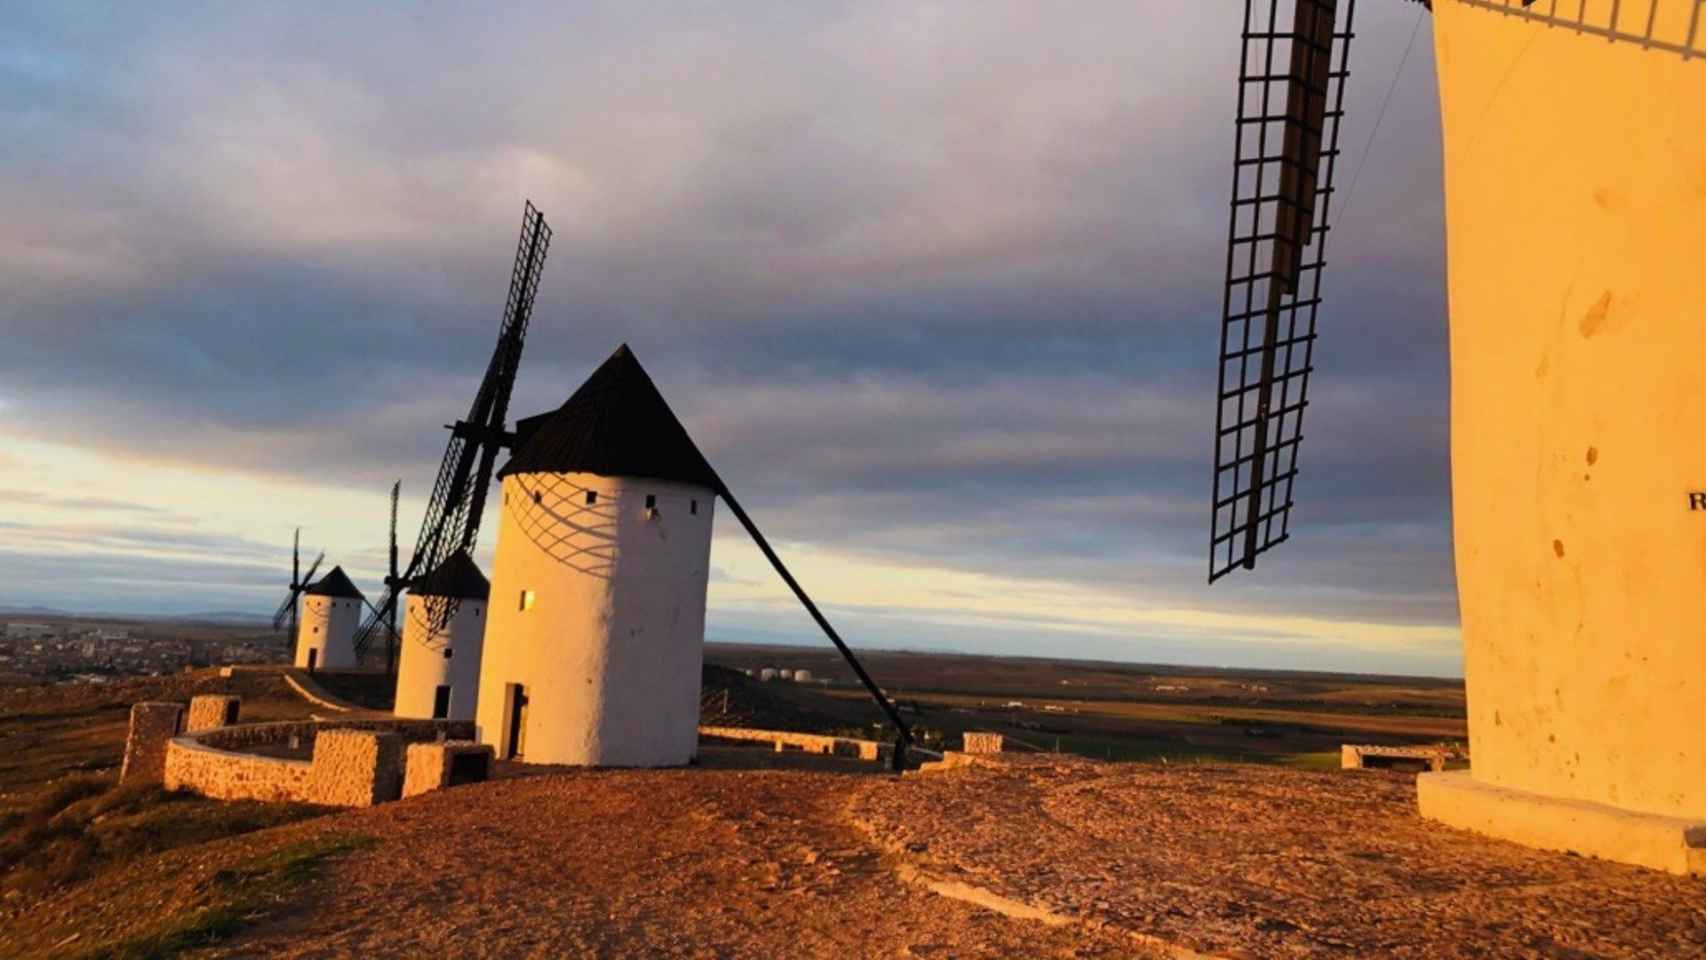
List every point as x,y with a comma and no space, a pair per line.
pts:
757,854
706,862
754,854
1254,861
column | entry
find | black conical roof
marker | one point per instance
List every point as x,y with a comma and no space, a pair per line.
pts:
334,584
457,576
615,425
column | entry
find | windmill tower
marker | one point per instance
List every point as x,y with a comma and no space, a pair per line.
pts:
438,674
594,648
452,521
1575,199
593,652
331,612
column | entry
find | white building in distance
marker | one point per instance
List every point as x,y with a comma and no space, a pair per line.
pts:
595,644
438,668
331,614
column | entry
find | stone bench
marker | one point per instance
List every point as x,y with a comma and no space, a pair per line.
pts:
434,766
1356,756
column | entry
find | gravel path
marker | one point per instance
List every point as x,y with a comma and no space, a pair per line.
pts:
1248,861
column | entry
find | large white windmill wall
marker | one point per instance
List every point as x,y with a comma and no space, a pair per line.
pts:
326,627
595,644
597,620
1575,201
438,667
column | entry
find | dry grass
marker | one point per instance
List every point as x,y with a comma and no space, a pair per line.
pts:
243,894
84,824
66,824
52,731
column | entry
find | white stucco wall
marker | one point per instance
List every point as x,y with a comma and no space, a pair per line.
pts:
328,624
422,666
1575,191
610,651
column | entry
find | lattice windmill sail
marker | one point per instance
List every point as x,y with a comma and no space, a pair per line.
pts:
298,583
452,520
1292,72
393,582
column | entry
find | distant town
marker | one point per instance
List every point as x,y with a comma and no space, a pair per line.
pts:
95,650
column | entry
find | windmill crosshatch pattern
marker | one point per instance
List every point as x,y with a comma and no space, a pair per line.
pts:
1292,72
1652,24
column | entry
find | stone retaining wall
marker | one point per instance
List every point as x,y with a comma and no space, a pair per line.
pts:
312,692
214,763
209,711
356,768
245,736
809,742
226,775
152,727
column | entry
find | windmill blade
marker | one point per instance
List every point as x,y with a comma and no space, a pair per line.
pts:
391,584
284,610
396,491
379,615
452,520
287,606
372,610
1286,149
308,579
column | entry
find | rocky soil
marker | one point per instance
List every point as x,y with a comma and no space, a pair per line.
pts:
1250,861
714,861
690,863
755,854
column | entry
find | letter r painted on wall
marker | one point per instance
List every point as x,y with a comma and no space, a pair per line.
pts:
1697,500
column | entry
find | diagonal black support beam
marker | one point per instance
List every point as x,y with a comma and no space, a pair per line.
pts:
905,734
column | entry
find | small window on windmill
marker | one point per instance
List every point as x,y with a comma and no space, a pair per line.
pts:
651,506
526,600
693,507
447,653
591,497
535,496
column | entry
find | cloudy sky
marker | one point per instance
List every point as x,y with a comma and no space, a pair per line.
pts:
936,286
